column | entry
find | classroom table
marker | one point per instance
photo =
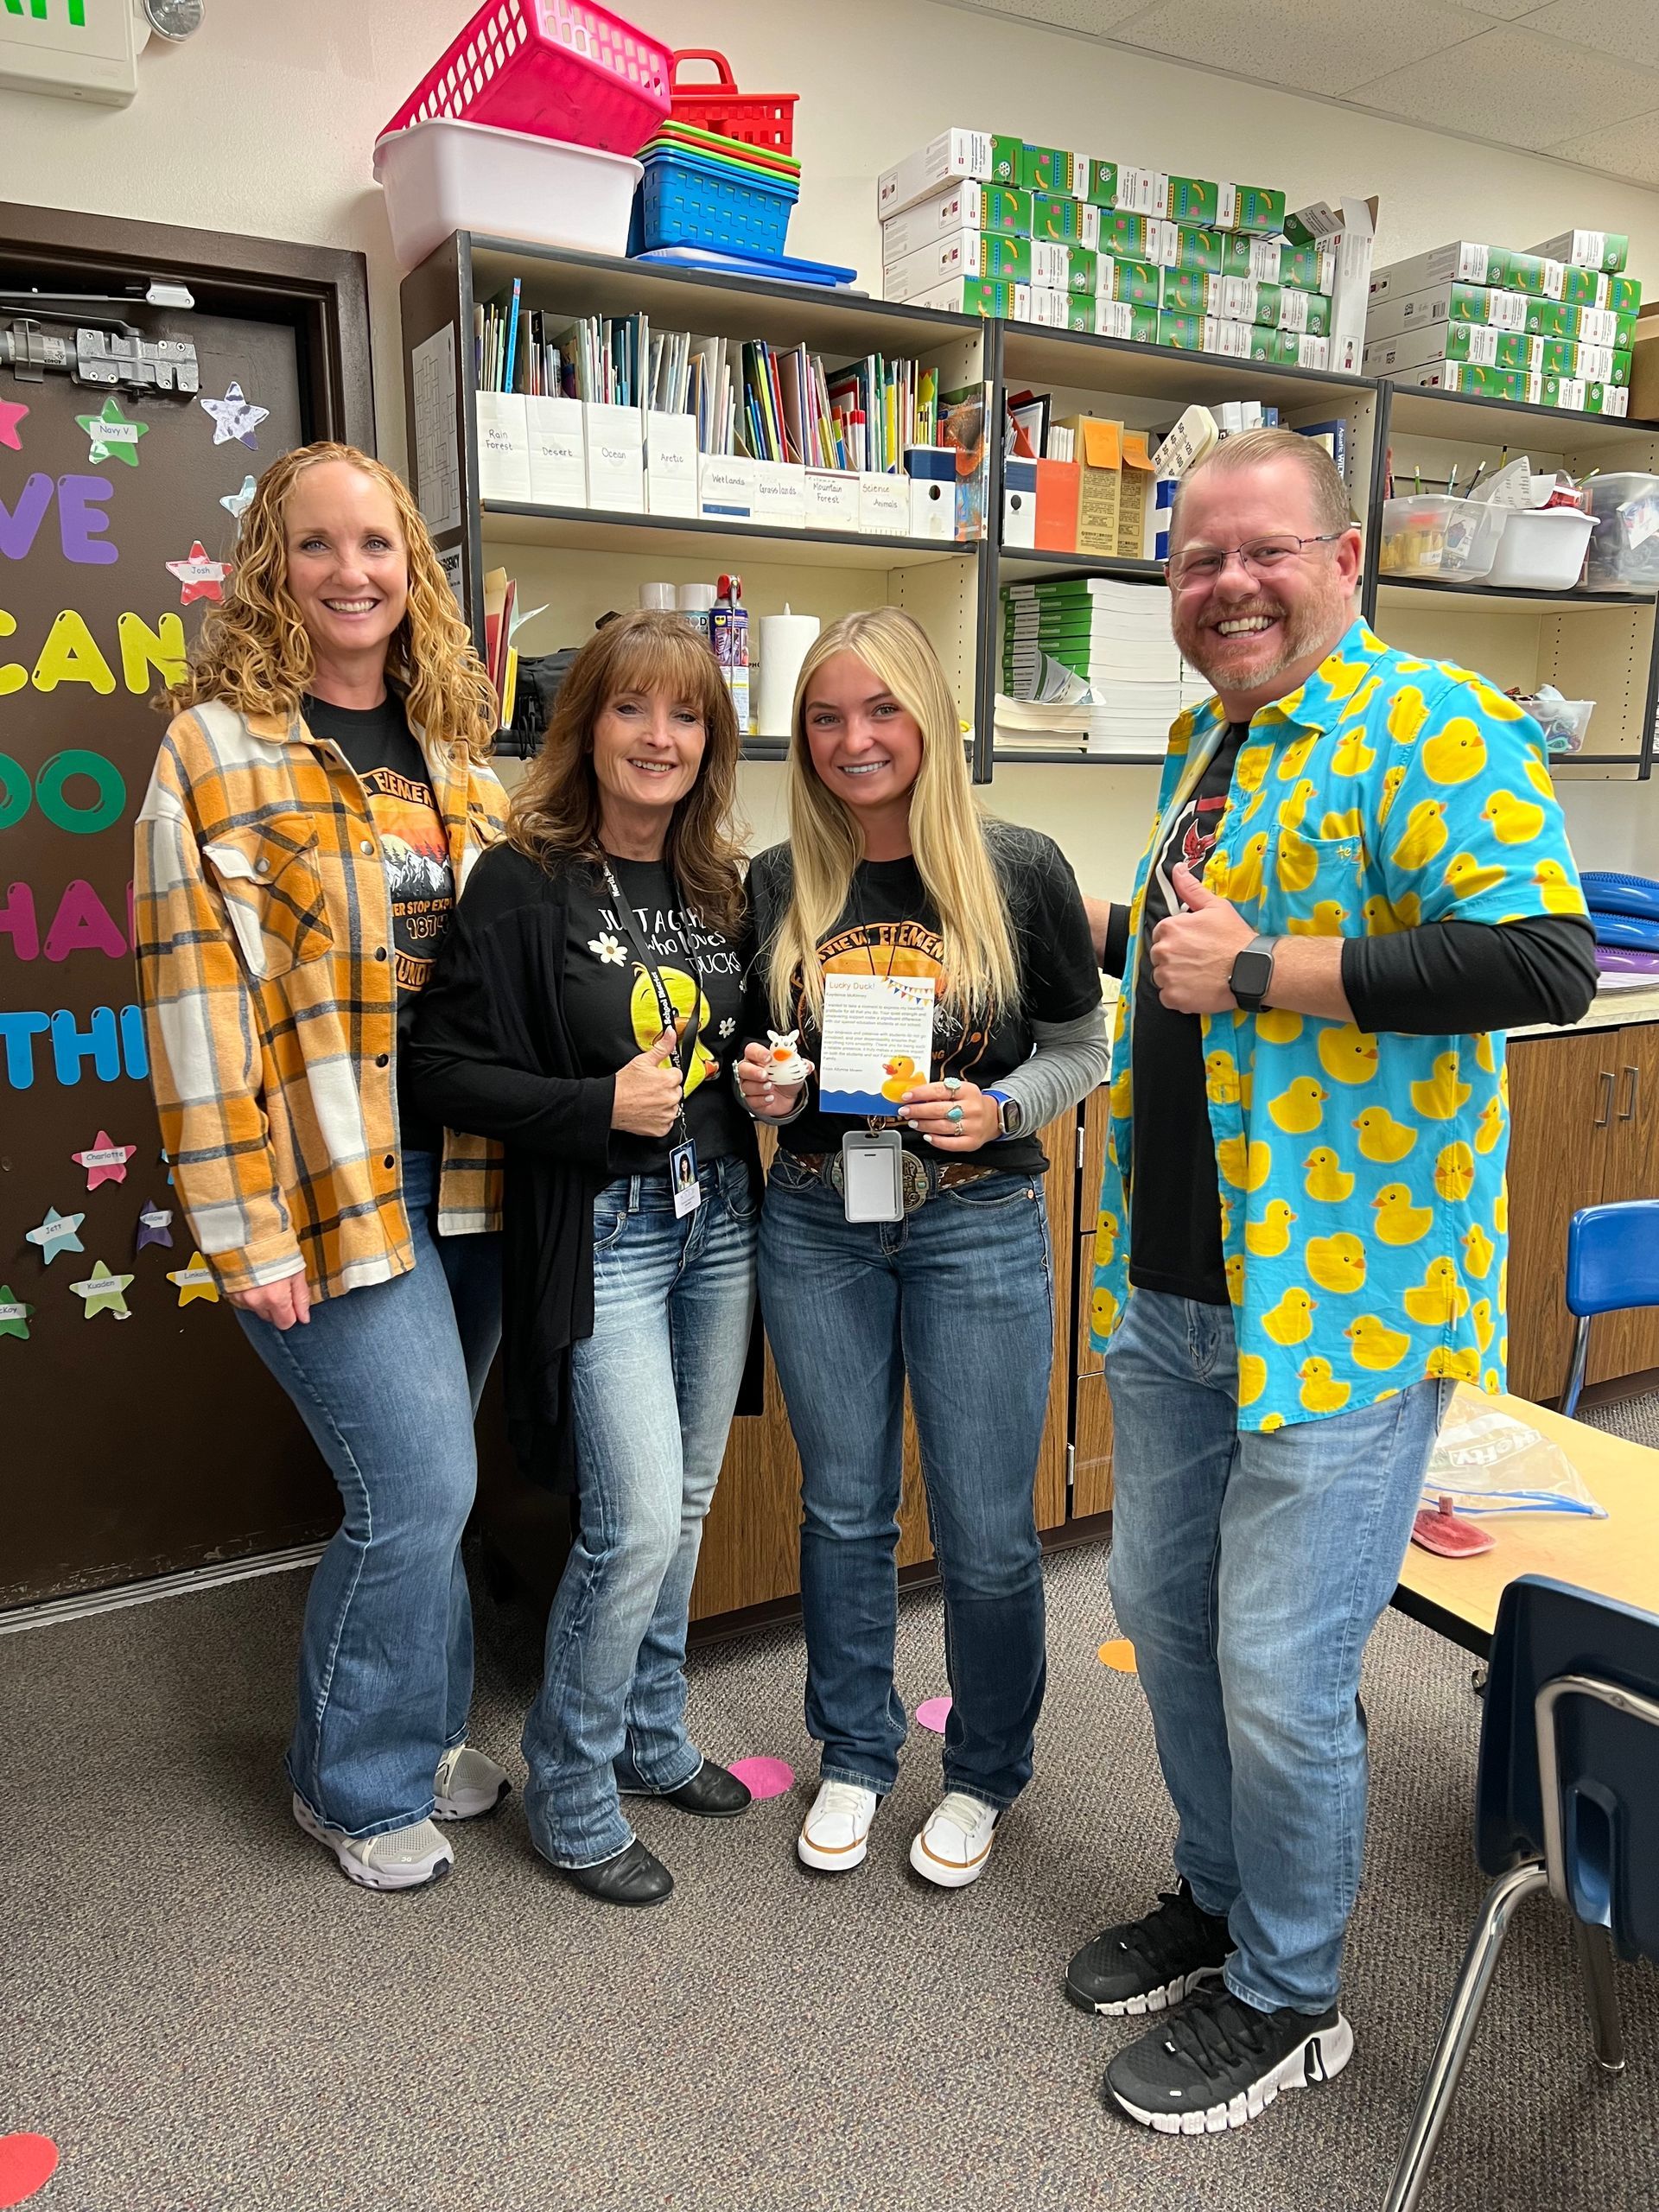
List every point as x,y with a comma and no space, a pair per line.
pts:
1616,1558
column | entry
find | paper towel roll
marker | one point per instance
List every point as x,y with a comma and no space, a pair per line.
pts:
784,641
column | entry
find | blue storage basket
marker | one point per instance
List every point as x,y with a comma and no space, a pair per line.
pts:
686,201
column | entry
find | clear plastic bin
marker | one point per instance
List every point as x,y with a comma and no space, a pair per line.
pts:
1433,534
1624,551
1565,722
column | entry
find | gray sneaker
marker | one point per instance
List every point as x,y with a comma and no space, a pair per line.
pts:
467,1785
404,1858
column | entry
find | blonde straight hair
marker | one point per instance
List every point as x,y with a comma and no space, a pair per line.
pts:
947,834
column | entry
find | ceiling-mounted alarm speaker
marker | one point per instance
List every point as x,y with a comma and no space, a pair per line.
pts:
173,19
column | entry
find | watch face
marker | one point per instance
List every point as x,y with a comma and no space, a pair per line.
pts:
1252,973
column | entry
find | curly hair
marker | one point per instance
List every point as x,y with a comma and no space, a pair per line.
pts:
254,654
556,810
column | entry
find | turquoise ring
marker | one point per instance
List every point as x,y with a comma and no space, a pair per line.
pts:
955,1114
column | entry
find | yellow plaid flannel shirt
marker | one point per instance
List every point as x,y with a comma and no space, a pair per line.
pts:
264,942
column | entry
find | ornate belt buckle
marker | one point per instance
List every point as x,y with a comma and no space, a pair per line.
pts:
917,1184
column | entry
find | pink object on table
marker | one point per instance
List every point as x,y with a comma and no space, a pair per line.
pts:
932,1712
764,1777
553,68
1446,1533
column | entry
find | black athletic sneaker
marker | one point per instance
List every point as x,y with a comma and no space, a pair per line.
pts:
1147,1964
1219,2063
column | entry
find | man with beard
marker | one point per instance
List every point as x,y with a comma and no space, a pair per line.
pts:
1357,879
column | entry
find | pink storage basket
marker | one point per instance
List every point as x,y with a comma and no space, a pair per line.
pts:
553,69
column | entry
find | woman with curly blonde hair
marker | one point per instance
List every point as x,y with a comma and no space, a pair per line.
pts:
319,800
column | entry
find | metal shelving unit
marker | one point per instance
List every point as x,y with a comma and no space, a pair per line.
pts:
1601,645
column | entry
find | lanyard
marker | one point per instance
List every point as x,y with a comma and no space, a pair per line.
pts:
686,1046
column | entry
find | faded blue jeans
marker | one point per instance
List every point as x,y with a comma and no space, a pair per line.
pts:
1247,1571
387,1378
654,1388
957,1298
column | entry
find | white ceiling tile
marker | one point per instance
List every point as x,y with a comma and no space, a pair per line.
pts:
1311,46
1094,17
1631,32
1628,150
1515,86
1508,10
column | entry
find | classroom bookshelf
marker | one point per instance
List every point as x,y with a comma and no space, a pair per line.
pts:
579,564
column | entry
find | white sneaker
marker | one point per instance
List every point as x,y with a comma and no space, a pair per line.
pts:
467,1785
955,1842
835,1833
406,1858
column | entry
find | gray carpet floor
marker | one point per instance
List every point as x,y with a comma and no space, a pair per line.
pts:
206,2017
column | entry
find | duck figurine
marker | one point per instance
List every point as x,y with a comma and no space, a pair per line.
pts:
783,1062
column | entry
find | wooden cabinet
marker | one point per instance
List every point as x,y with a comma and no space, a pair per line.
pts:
1584,1131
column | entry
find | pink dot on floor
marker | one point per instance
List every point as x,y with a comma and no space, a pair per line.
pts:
27,2162
1119,1655
931,1714
764,1777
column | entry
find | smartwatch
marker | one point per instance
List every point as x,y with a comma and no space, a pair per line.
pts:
1010,1114
1252,977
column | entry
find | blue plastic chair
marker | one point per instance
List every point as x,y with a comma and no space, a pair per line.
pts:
1612,1263
1567,1800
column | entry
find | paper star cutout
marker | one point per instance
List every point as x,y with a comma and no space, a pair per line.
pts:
104,1162
168,1164
13,1314
236,503
113,437
57,1233
104,1293
200,577
12,412
154,1225
195,1282
235,417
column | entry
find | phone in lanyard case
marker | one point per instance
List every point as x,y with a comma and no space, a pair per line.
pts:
872,1175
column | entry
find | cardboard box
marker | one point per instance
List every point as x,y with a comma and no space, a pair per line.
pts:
1393,312
1426,342
504,448
726,486
1644,367
990,254
1463,262
1125,320
1099,459
953,155
1100,186
1309,268
1622,294
1064,220
1603,250
1467,377
984,295
831,499
1135,282
1200,333
1236,299
932,473
1019,505
615,438
558,453
884,505
1059,484
1293,349
1052,169
672,464
780,494
1348,227
963,206
1584,398
1135,496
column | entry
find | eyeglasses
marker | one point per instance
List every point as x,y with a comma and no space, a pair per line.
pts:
1259,558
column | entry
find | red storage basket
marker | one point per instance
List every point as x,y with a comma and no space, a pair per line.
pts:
552,68
758,118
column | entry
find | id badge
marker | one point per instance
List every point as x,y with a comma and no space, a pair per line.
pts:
872,1175
682,1179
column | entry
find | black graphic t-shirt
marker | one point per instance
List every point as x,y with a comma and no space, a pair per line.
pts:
612,1010
415,848
890,927
1175,1213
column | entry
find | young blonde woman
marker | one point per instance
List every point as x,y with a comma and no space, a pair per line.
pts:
584,1009
319,798
890,872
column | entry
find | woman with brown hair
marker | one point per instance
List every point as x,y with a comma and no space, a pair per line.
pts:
320,796
582,1014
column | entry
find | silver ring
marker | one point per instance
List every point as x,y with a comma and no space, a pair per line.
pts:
951,1085
954,1115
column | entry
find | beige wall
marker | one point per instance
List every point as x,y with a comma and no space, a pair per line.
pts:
264,124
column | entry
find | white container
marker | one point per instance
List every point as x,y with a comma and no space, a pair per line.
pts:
1542,549
1430,533
441,176
1565,722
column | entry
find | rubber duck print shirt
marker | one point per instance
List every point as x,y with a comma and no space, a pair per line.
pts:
1364,1214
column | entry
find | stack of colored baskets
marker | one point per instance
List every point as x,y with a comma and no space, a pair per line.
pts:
702,189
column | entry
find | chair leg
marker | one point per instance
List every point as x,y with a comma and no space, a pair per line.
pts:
1575,1375
1462,2017
1595,1952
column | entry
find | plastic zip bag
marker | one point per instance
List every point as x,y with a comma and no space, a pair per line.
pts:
1490,1463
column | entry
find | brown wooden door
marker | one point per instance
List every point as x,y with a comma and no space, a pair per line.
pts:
1562,1104
1628,1343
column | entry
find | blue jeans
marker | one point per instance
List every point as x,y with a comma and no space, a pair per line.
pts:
653,1389
957,1298
387,1379
1247,1571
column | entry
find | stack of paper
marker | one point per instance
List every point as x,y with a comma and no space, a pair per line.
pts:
1090,663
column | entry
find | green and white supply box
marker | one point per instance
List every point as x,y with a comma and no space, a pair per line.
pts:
966,204
1603,249
1236,299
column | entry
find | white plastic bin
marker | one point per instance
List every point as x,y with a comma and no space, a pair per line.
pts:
1429,534
1624,551
441,176
1565,722
1542,549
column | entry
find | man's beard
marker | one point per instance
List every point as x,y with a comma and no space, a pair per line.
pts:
1306,629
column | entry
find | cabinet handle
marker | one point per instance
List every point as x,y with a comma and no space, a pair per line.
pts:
1628,1109
1606,1079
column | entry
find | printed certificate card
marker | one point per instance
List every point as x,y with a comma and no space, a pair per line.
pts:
878,1042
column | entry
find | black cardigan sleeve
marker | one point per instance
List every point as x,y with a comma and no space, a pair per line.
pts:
1450,978
490,1020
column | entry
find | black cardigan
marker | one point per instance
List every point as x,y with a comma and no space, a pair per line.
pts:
490,1054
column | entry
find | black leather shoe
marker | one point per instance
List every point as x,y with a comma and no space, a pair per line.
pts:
635,1876
711,1791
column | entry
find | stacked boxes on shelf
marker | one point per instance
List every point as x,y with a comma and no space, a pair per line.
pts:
1551,327
978,223
1090,665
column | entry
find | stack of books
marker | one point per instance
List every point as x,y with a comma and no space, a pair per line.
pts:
1091,665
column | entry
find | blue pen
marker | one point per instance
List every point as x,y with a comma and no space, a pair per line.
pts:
512,338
